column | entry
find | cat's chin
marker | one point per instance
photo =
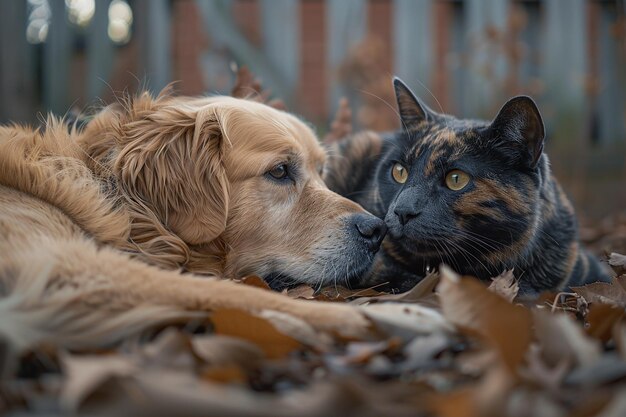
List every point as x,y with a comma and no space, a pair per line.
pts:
419,246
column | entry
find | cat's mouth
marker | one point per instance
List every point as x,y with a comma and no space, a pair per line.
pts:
424,247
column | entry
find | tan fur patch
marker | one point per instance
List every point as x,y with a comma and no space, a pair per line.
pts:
489,190
439,141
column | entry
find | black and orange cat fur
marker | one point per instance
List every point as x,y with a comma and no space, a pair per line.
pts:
476,195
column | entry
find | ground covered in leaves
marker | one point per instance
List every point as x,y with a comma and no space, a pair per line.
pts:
452,346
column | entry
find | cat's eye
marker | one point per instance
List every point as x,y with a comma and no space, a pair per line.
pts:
457,180
399,173
279,172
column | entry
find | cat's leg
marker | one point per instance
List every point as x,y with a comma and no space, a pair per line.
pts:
588,269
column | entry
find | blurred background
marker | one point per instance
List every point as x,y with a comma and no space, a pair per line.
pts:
464,57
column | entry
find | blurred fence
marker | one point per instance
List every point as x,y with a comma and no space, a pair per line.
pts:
471,55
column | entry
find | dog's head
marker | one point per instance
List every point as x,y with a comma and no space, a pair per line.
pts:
246,175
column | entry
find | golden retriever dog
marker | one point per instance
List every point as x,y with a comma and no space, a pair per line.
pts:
156,199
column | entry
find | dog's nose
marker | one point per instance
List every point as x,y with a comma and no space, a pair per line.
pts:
372,229
406,213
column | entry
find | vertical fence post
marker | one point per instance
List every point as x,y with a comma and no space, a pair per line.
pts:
565,63
484,19
413,38
281,38
153,31
611,109
565,71
17,89
345,27
56,60
100,51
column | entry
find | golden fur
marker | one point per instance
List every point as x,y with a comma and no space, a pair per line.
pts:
106,219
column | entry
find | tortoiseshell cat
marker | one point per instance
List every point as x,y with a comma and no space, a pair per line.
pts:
476,195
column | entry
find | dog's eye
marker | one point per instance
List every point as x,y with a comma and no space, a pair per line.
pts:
399,173
457,180
279,172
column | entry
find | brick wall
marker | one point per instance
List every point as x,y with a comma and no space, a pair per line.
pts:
312,91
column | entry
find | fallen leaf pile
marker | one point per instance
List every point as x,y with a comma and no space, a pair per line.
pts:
451,346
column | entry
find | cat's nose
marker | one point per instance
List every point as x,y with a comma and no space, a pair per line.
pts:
406,213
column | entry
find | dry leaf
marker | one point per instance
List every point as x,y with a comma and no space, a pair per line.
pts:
225,350
602,292
225,374
468,304
171,348
548,378
301,291
362,352
85,374
238,323
342,123
619,336
617,406
601,319
249,87
422,292
505,285
256,281
618,263
246,84
297,329
338,293
606,369
562,339
405,320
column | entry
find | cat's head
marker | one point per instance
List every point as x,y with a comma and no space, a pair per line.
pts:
453,188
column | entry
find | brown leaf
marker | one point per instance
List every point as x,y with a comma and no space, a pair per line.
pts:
238,323
362,352
601,292
420,293
468,304
505,285
337,293
547,378
297,329
405,320
342,123
247,86
301,291
226,351
171,348
601,319
617,406
224,374
618,263
85,374
255,281
619,336
562,339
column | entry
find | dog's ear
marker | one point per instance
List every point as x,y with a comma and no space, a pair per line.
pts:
171,161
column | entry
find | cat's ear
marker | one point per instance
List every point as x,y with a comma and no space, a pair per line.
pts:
519,121
412,111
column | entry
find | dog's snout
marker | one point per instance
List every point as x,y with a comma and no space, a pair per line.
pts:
372,229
